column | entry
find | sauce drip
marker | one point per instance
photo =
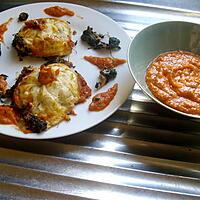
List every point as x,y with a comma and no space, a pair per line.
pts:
102,100
174,78
57,11
4,28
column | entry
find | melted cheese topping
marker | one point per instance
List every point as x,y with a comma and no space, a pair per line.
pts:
51,102
54,39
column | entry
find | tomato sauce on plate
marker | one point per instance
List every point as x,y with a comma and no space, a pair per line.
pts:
174,78
4,28
7,115
105,62
102,100
57,11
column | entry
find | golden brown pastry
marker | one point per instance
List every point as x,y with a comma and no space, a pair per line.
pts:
44,37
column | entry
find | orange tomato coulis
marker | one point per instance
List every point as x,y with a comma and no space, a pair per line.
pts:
57,11
7,115
102,100
174,78
4,28
105,62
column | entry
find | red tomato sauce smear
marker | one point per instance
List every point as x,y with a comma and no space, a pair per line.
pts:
102,100
57,11
7,115
174,78
105,62
4,28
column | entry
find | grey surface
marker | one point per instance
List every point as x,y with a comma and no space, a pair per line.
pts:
142,151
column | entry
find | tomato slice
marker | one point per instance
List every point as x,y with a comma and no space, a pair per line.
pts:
102,100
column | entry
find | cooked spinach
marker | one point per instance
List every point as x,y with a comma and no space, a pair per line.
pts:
105,76
91,37
94,40
32,122
114,43
19,44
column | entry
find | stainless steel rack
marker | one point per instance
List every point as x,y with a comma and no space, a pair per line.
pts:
142,151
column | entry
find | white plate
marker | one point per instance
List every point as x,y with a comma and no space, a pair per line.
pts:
11,66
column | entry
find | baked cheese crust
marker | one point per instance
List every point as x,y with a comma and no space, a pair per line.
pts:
44,37
50,101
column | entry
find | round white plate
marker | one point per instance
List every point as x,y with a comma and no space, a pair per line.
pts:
11,66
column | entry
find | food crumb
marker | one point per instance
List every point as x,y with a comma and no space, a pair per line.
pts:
22,17
74,33
79,16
